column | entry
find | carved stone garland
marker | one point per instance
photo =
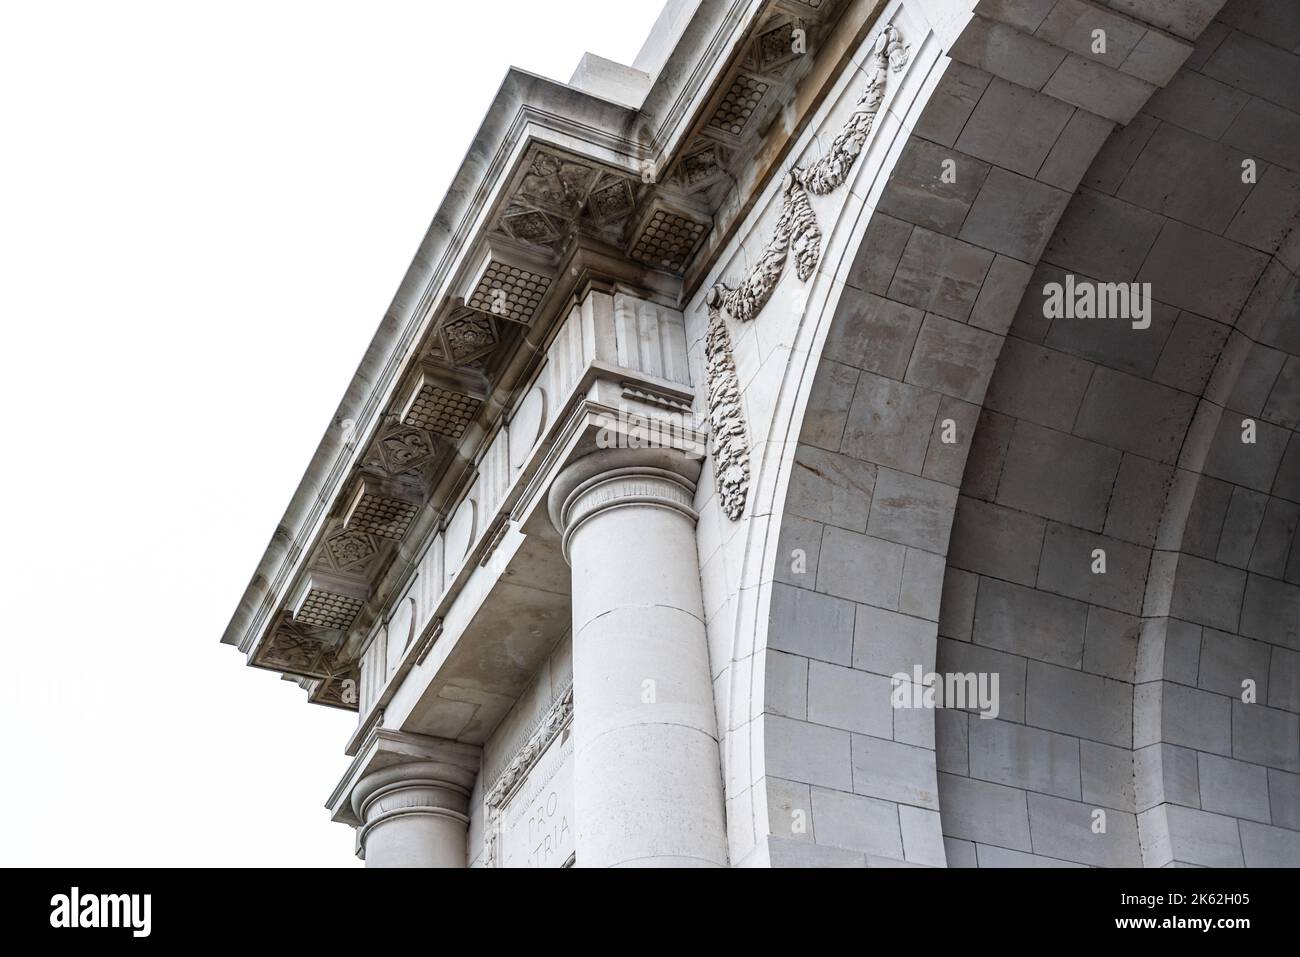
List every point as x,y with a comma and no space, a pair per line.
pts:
797,230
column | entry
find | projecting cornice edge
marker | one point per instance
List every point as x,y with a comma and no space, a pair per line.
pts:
523,103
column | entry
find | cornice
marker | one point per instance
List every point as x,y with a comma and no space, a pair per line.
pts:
404,325
528,113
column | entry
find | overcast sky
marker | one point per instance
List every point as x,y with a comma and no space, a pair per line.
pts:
205,209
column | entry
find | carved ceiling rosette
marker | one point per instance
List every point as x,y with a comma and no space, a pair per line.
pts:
403,449
468,336
796,232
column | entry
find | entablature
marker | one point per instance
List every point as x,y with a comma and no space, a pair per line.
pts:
561,192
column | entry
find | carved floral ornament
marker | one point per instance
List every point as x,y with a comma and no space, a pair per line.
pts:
796,231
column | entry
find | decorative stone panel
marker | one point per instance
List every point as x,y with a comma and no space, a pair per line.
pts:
443,401
702,167
467,335
328,600
739,104
557,194
297,648
382,506
337,692
509,284
611,200
405,449
778,46
668,237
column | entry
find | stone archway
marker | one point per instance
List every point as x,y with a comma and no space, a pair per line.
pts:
1095,435
908,554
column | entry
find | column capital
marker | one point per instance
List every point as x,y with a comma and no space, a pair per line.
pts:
415,788
612,478
408,797
384,752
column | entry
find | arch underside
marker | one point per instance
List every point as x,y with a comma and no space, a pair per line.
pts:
963,460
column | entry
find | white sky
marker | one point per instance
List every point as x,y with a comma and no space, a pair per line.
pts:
204,211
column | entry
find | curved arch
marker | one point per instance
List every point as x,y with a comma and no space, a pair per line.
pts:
1098,436
871,543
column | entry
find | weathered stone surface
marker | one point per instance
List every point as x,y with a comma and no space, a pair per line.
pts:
953,359
1036,478
1073,703
940,274
858,823
828,406
1000,295
1268,131
849,699
1006,52
886,643
1250,64
912,510
1064,830
878,256
960,657
890,423
1031,623
1015,755
919,193
831,488
1135,415
1265,736
1234,788
1110,645
1188,177
878,336
993,540
1036,121
1198,103
812,625
809,753
1071,566
1116,96
894,772
1014,215
980,811
861,568
951,106
1040,385
1201,272
1107,775
1068,161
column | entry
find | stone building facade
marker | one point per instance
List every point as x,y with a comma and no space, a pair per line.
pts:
832,353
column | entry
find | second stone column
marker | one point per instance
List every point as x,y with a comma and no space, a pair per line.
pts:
648,790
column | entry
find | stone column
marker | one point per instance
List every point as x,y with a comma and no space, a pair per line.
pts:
413,815
648,790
